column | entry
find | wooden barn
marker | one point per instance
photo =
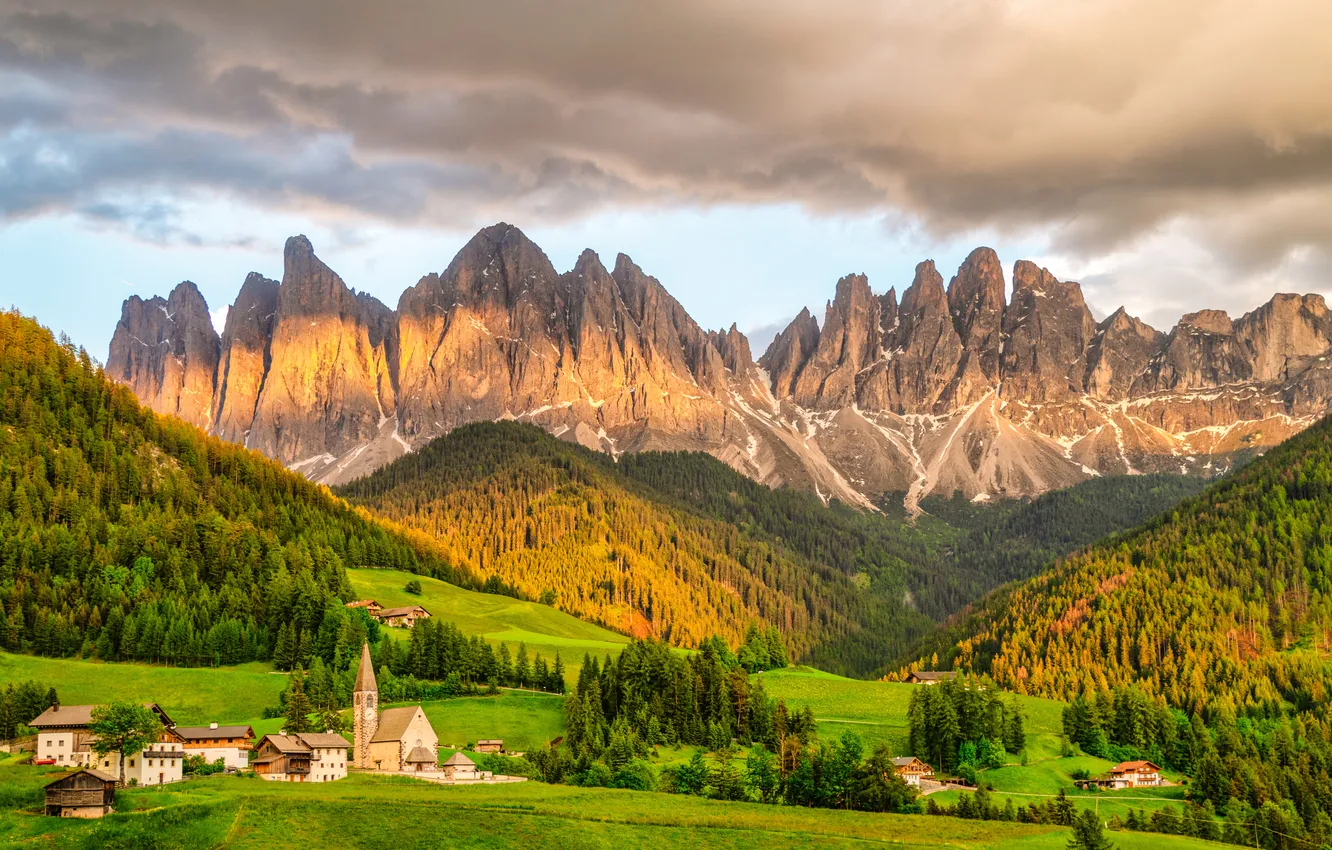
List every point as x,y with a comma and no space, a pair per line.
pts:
86,794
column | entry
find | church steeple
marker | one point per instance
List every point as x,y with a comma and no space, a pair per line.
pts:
365,674
365,709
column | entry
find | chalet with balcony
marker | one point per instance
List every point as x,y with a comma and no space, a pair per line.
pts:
406,616
213,742
301,757
1135,774
64,738
912,770
929,677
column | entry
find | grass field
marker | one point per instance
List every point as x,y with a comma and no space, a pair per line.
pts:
498,619
366,811
878,710
191,695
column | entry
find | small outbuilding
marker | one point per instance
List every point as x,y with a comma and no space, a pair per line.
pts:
460,766
492,745
85,794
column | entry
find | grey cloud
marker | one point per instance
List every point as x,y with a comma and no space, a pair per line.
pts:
1098,122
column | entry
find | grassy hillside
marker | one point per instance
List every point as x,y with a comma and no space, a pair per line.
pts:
564,523
498,619
368,811
190,695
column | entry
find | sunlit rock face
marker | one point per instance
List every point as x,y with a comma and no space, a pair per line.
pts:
949,389
167,351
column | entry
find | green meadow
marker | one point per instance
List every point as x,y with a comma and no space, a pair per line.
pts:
191,695
366,811
497,619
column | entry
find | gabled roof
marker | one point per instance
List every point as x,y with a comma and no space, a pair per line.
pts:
324,740
459,760
393,722
365,674
421,755
191,733
402,612
61,716
96,774
490,741
904,761
1126,766
286,744
933,675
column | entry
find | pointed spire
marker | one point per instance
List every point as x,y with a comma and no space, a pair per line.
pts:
365,675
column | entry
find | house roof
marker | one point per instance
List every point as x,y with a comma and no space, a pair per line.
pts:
1126,766
362,603
393,722
499,741
420,755
402,612
365,674
933,675
60,716
190,733
459,760
323,740
287,743
903,761
96,774
63,715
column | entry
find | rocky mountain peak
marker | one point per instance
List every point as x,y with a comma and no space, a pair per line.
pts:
788,351
1208,321
734,349
166,350
943,389
976,301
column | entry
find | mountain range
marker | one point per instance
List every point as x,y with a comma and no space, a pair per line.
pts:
949,389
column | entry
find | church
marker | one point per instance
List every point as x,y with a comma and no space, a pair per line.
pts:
395,740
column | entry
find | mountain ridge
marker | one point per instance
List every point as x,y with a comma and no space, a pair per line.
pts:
948,389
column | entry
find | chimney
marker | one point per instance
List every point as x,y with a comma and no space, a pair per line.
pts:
282,732
212,725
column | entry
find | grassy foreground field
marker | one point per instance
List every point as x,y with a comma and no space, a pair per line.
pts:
364,811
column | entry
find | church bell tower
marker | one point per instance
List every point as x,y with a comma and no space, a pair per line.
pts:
365,709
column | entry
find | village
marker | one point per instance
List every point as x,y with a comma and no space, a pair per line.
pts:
398,740
393,741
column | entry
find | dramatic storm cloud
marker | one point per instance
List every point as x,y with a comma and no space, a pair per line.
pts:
1196,131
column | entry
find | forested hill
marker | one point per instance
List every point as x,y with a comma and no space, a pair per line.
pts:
1225,601
681,545
128,535
563,523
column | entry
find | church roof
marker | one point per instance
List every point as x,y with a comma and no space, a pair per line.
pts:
365,676
393,723
420,755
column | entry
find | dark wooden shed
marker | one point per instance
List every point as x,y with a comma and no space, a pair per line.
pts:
86,794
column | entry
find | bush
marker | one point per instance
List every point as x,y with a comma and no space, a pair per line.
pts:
597,775
637,775
413,587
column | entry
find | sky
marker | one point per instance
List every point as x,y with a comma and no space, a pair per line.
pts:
1169,156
